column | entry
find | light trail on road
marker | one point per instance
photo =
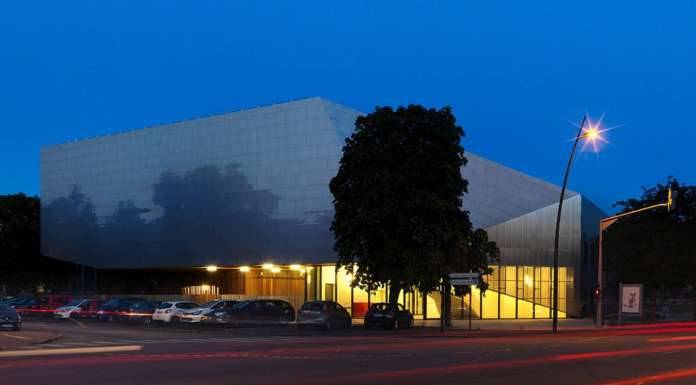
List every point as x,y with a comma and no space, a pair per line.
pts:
656,378
544,360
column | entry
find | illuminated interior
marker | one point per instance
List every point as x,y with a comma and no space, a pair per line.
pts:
513,292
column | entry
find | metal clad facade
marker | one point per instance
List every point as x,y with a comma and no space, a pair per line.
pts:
227,189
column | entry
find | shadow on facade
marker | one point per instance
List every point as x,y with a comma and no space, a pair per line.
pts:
209,215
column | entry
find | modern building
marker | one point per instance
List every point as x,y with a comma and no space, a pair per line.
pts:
238,204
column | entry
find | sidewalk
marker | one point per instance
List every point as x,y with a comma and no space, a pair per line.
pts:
14,340
524,324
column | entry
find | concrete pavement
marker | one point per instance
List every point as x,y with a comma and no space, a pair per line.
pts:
532,324
10,340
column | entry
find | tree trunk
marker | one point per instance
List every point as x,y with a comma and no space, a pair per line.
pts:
394,291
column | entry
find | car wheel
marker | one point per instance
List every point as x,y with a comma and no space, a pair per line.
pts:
349,324
396,325
328,325
147,320
110,318
17,327
174,319
300,327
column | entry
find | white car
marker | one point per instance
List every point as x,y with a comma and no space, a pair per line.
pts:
201,313
172,311
71,308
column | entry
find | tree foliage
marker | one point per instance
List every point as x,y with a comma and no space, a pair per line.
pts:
656,248
398,202
19,228
22,268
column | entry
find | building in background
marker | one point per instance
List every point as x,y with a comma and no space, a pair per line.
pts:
238,205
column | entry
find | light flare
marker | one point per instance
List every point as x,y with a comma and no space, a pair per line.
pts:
593,134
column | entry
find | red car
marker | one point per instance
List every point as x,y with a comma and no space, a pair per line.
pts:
44,305
89,309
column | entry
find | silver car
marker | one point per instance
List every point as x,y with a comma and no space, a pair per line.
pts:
325,314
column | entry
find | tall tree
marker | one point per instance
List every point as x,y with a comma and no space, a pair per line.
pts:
656,248
398,202
22,268
19,229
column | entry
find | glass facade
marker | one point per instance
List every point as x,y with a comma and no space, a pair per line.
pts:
514,292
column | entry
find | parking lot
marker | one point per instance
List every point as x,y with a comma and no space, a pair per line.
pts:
83,333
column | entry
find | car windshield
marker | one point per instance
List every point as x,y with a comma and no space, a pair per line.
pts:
75,302
4,307
164,305
313,306
381,307
27,301
241,305
209,304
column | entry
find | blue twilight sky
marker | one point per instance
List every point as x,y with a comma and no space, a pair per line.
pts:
515,72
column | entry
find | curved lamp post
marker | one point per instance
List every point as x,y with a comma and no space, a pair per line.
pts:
592,133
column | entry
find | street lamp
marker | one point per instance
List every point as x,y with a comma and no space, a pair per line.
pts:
603,225
591,134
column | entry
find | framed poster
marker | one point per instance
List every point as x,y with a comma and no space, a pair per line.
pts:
632,299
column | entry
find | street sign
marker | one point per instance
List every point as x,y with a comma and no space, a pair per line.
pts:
465,281
463,275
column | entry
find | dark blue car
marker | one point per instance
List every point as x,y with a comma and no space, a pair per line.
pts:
9,319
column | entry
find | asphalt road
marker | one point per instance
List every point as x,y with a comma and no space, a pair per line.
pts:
93,353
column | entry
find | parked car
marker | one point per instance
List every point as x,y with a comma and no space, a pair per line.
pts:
14,302
9,318
44,305
71,309
256,312
141,312
325,314
204,311
115,308
388,316
172,311
89,309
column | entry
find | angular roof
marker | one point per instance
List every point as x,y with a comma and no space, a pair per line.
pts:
498,193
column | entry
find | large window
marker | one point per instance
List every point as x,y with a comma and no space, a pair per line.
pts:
515,292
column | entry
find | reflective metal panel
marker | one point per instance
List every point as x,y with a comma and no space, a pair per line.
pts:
235,188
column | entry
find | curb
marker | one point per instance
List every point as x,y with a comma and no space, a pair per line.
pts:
39,342
47,340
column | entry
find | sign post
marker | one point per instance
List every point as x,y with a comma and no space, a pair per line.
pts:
462,280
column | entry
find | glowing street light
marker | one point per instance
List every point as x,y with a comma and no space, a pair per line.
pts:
211,268
275,269
591,134
244,269
295,267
